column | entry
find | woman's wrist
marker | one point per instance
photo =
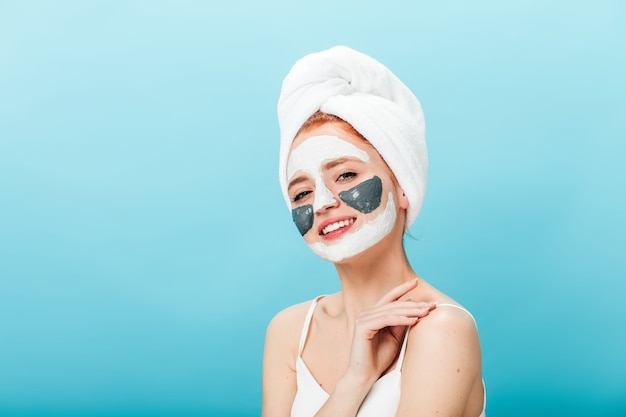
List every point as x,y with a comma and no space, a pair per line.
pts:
346,398
354,385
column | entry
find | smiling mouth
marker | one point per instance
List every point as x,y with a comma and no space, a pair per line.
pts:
336,226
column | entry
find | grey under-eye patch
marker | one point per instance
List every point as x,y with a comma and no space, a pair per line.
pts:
303,218
365,197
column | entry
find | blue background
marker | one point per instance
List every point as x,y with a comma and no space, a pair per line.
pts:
145,245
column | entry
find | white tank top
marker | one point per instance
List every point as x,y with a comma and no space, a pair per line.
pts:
381,401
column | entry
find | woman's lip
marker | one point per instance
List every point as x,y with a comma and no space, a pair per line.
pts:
340,231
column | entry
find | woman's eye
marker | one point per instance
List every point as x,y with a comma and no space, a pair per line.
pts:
346,176
301,195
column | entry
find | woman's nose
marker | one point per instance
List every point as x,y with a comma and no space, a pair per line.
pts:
324,199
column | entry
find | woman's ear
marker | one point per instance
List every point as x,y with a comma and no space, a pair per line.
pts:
403,200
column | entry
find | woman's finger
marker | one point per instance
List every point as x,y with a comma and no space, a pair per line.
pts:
407,308
369,328
397,292
371,322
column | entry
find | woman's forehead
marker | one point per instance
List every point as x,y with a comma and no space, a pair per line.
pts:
313,152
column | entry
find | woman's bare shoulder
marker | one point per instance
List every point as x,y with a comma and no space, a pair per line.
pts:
289,322
443,350
283,335
448,316
445,318
447,327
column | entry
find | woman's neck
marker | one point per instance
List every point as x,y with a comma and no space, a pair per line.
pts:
367,277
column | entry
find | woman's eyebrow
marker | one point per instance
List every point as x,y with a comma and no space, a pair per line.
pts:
334,162
297,180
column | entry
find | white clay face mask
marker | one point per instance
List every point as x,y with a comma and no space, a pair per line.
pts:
309,158
361,239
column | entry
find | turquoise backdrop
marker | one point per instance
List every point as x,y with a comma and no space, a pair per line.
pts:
145,245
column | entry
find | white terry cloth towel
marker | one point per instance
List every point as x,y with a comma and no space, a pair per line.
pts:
362,91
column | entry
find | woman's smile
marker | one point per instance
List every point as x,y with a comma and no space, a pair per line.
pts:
334,228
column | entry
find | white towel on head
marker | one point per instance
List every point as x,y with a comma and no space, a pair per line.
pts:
360,90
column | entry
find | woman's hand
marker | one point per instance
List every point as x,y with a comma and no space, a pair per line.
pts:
379,333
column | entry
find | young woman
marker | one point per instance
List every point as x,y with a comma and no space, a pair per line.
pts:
353,172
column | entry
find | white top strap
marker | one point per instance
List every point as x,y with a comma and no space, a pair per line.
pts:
307,323
459,307
402,350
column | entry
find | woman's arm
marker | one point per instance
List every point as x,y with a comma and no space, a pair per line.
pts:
441,374
279,375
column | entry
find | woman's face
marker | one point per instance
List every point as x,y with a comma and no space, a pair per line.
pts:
343,196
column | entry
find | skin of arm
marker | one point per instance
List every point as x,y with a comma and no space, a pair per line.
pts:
279,374
279,358
441,374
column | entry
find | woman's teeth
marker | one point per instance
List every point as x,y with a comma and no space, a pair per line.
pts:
337,225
